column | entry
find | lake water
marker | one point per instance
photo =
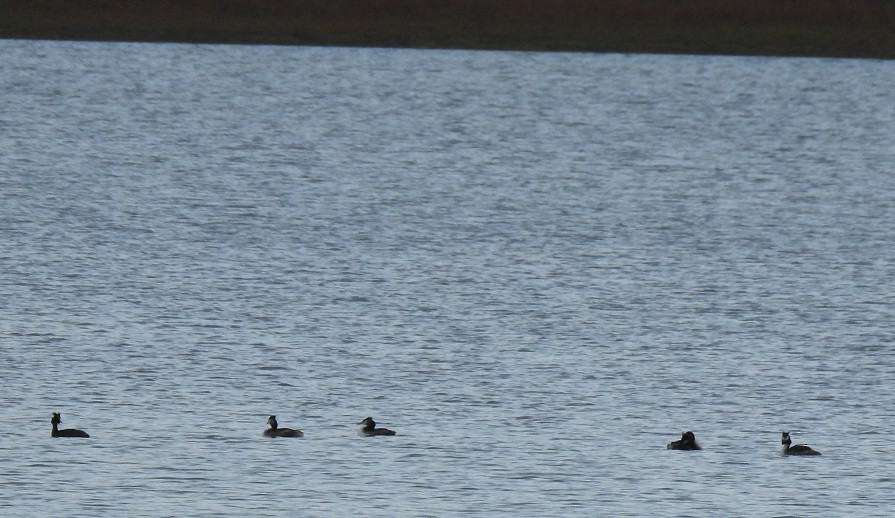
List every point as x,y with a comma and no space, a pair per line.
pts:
537,268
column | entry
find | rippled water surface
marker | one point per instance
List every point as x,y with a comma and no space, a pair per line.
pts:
537,268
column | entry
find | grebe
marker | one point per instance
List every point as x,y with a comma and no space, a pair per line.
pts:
71,432
369,428
686,442
798,449
274,431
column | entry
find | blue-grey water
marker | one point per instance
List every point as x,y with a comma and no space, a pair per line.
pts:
537,268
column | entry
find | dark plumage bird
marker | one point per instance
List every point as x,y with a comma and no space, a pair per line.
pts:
686,442
275,431
369,428
71,432
798,449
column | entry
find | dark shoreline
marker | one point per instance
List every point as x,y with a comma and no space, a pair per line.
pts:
822,28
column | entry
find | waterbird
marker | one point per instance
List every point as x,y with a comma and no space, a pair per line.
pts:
70,432
686,442
275,431
369,428
798,449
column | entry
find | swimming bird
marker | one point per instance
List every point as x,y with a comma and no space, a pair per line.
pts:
275,431
686,442
71,432
798,449
369,428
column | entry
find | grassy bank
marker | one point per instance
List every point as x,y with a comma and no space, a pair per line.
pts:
840,28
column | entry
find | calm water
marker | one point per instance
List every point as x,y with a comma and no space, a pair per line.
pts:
537,268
